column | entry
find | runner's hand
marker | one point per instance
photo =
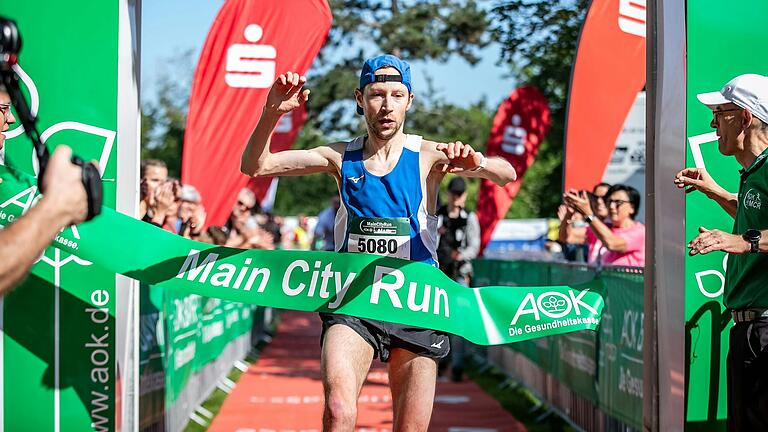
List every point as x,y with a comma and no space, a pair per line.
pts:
462,156
286,93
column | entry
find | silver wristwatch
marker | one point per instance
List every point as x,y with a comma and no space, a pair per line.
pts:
483,163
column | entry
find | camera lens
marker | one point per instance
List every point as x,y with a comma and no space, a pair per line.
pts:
10,41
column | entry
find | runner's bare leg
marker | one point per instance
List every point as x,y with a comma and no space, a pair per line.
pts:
344,363
412,380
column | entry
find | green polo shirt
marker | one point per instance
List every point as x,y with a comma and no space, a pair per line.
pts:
746,278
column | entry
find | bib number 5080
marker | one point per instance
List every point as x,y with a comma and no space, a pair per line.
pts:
377,246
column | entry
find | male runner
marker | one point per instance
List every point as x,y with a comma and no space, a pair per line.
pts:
393,178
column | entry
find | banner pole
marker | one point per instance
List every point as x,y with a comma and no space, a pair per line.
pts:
128,156
664,327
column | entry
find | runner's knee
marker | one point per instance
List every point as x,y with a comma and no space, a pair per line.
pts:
340,410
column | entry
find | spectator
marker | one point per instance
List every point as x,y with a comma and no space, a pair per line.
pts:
154,173
459,243
300,233
242,229
216,235
598,201
191,214
622,243
273,227
572,234
552,244
459,232
172,211
322,237
161,205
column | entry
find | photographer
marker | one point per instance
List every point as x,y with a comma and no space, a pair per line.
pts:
64,203
459,243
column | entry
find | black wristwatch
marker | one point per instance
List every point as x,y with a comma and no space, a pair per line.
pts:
753,237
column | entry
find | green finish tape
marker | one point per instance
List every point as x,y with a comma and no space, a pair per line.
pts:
362,285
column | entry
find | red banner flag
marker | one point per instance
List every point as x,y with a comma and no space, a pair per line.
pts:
249,44
608,72
518,129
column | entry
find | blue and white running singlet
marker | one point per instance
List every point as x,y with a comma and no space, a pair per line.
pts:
385,215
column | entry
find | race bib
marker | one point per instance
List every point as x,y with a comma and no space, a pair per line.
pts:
380,236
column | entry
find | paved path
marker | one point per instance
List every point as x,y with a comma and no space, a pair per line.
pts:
282,392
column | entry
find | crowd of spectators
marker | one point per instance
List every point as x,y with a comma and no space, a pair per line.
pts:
179,208
600,227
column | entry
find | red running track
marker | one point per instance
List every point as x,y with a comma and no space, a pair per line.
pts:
282,392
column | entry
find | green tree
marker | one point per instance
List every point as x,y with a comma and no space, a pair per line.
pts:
416,30
163,120
539,40
305,194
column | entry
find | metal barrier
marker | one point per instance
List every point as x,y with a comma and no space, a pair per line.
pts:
188,346
592,379
203,382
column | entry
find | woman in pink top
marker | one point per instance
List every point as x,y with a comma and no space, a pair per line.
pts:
621,243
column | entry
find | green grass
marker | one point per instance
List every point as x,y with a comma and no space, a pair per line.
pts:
216,398
516,399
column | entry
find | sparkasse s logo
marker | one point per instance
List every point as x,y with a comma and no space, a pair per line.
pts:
632,17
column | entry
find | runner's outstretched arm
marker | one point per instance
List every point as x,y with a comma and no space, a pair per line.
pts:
285,95
459,158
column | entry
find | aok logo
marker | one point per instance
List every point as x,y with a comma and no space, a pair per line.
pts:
553,304
752,199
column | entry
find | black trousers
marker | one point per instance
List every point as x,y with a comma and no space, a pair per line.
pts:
748,377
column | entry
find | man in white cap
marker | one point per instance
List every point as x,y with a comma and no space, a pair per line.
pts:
740,116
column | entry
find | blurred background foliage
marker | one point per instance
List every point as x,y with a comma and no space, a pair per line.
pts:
538,42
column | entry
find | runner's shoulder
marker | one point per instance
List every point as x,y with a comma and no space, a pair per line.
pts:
332,152
429,145
429,148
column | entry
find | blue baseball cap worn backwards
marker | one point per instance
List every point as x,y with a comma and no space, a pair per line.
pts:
368,74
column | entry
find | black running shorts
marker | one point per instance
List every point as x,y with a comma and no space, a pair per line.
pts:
384,336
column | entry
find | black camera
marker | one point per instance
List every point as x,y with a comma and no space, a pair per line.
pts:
10,45
10,41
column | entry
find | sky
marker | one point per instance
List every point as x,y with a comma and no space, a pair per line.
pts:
170,27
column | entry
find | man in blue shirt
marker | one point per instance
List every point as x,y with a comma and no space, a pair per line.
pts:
385,178
324,228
